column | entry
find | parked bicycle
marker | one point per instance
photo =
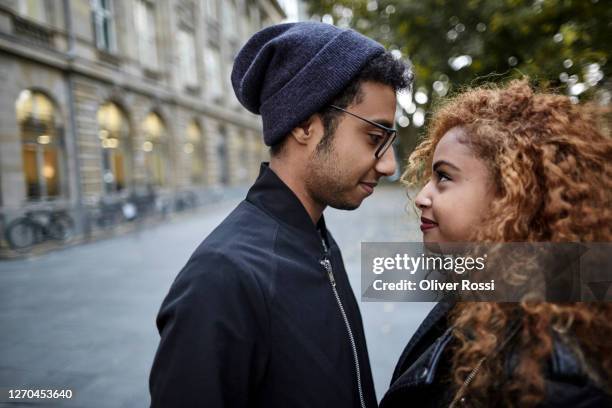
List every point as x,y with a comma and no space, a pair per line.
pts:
112,212
38,226
186,200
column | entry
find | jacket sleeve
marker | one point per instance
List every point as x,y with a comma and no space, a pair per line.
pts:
574,393
213,326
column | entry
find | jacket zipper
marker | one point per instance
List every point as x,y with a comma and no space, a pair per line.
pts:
330,274
460,397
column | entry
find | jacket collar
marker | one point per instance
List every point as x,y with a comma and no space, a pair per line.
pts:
563,364
435,316
273,196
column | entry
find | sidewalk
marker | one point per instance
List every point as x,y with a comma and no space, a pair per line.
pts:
84,317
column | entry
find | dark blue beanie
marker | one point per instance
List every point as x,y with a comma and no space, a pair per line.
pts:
287,72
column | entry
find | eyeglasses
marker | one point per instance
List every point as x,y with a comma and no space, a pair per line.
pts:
390,133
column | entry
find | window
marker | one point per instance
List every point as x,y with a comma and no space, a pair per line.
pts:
230,19
255,19
222,157
144,20
42,145
156,149
211,9
212,69
243,154
114,138
187,58
194,150
104,30
33,9
246,24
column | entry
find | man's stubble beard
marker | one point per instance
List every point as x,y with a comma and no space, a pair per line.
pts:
324,180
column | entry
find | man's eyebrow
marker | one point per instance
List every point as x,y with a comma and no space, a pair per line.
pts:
383,122
441,162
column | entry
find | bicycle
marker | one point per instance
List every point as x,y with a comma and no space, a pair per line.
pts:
186,200
38,226
108,213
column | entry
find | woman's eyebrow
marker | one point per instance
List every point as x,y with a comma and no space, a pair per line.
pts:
441,162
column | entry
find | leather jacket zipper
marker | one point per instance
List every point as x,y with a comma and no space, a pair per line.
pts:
330,274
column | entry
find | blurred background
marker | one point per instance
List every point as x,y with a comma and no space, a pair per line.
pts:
106,103
561,45
122,146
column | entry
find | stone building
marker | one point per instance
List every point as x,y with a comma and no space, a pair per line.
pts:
101,98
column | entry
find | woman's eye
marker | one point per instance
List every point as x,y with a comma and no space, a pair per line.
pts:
442,176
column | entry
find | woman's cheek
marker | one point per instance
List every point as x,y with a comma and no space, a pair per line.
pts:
456,228
450,234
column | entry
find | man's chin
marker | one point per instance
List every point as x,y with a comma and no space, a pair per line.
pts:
345,205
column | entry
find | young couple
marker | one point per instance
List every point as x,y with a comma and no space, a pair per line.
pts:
262,314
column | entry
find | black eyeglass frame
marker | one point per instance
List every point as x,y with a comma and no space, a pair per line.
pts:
390,133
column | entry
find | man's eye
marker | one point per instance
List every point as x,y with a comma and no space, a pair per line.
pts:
376,138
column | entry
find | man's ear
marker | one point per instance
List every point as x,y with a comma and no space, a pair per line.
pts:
308,130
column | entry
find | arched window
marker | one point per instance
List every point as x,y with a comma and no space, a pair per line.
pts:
42,145
194,149
222,157
114,137
155,148
243,158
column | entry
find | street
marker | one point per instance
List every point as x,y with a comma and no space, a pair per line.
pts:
83,318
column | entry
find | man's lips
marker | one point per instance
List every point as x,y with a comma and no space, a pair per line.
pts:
427,224
368,186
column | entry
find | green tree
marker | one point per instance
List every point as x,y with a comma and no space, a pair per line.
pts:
564,44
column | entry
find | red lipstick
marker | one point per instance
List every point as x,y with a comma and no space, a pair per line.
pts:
427,224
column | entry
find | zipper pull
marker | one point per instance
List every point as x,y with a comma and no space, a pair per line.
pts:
327,265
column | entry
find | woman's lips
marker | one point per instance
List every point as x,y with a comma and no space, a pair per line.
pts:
427,224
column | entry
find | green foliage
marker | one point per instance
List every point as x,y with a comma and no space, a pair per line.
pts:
564,44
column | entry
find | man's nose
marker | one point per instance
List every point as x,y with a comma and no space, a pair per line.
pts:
423,198
387,164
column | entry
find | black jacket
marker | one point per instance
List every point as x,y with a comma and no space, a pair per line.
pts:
416,379
252,319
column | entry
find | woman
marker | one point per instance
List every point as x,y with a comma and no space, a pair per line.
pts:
510,165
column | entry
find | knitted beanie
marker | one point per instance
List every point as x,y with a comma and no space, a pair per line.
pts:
287,72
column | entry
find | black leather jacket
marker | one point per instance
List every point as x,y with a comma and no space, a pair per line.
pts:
416,380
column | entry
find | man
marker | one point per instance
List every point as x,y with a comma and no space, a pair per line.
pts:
262,314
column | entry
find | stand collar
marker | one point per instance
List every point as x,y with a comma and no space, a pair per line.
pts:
272,195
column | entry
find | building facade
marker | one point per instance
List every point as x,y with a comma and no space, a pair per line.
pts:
102,98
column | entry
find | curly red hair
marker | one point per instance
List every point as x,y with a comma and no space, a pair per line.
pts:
549,160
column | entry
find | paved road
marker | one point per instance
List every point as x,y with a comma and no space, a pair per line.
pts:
84,317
